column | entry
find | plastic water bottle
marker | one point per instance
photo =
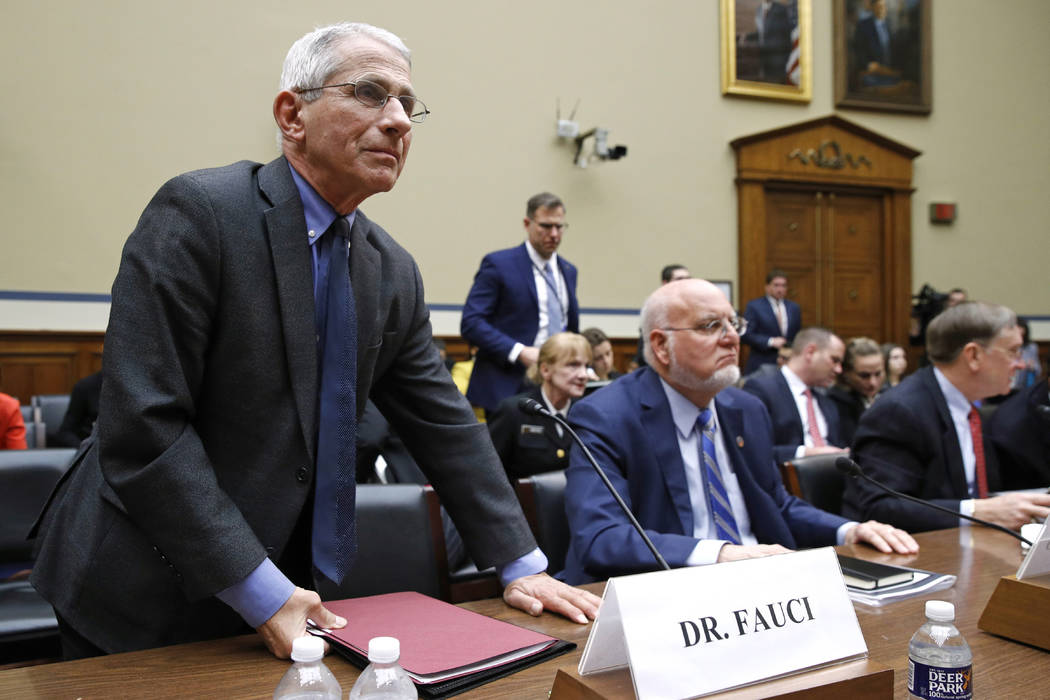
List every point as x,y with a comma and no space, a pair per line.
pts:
940,664
308,678
383,678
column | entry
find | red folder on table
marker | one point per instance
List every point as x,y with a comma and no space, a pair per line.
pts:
446,649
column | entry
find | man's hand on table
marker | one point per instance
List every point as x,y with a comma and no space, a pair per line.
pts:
540,592
289,622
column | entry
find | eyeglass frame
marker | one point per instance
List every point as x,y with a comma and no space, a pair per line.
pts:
416,101
738,323
548,225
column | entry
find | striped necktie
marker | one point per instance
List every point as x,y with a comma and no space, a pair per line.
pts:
717,497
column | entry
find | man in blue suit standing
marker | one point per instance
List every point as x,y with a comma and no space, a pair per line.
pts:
691,456
772,322
521,296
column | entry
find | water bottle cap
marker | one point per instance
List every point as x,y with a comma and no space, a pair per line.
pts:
384,650
940,610
308,648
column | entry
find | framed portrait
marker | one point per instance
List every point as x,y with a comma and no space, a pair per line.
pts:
882,55
766,49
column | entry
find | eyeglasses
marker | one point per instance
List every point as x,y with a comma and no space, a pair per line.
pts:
719,326
550,227
371,95
1014,354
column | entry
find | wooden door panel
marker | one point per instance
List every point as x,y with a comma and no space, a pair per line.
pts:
856,228
24,376
856,303
791,228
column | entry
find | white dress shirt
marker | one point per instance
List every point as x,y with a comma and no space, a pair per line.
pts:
798,392
542,290
959,409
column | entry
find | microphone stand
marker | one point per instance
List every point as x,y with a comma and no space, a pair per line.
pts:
851,468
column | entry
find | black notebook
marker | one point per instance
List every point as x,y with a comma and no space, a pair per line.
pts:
868,575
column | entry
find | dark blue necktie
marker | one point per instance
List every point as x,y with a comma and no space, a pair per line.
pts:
717,497
334,535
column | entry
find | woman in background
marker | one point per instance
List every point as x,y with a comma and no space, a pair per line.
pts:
896,363
601,354
529,444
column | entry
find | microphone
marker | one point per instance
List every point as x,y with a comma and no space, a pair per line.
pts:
850,468
533,407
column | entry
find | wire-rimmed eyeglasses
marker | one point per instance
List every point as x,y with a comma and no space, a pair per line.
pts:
372,95
721,326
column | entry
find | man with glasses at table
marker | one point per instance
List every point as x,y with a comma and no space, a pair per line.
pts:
690,455
255,311
520,297
926,437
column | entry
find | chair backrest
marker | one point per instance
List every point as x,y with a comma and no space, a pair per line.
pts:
50,410
816,480
27,413
26,480
542,498
400,546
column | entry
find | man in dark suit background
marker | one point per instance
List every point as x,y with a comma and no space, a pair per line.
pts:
520,297
805,419
925,436
690,455
191,513
1020,431
772,322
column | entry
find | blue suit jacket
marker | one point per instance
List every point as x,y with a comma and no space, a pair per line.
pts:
762,325
628,427
774,392
501,310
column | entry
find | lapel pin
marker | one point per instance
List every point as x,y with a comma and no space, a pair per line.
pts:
739,441
561,453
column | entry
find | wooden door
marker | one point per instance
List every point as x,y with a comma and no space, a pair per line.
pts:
830,244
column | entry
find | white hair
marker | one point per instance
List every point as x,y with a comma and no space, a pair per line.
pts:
313,58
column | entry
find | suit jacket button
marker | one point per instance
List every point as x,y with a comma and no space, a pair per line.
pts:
302,473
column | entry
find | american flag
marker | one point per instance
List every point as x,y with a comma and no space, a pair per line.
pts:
793,70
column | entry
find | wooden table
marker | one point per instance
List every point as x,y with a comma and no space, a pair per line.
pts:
240,667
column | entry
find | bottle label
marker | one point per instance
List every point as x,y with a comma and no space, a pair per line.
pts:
940,682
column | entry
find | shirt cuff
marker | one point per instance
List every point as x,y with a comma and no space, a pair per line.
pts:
535,562
800,451
966,507
515,351
769,343
840,534
705,552
260,594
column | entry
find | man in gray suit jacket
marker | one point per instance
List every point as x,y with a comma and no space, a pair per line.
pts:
187,514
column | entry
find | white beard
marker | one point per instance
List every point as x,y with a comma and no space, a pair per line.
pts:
727,376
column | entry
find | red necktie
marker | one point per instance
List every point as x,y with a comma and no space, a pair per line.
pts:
979,473
811,415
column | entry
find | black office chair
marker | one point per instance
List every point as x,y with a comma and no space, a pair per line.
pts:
816,480
542,498
28,628
399,545
50,409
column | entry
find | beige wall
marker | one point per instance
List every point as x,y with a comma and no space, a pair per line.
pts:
104,100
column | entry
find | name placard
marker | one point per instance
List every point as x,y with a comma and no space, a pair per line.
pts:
1037,561
695,631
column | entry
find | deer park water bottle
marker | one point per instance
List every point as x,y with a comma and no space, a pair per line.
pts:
383,678
308,678
940,664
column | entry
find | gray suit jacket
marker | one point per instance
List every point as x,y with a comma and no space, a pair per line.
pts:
205,445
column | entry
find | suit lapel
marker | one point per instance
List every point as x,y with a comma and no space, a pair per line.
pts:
792,408
365,272
949,438
292,262
662,436
524,265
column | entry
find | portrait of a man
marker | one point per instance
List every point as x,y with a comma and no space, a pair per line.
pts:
882,49
766,39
